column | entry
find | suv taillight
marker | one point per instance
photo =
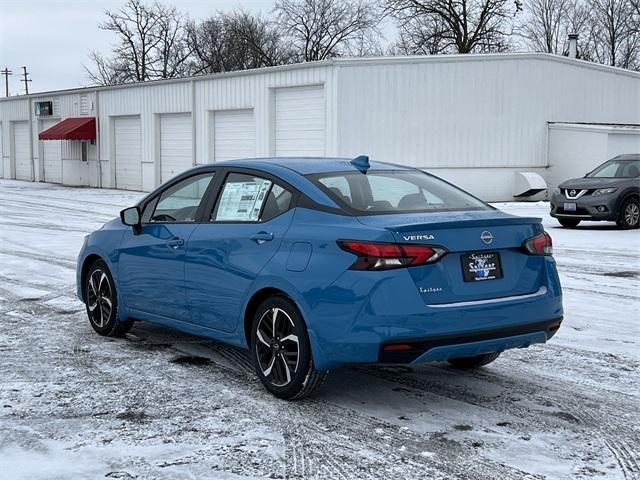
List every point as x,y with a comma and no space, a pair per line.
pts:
386,256
539,245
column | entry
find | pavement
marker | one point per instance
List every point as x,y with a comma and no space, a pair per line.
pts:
162,404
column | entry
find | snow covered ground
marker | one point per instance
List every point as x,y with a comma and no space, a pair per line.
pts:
161,404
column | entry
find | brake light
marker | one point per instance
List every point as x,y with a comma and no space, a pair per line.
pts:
386,256
539,245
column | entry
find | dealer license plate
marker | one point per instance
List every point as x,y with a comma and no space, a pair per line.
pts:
481,266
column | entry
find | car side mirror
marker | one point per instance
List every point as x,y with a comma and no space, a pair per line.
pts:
131,217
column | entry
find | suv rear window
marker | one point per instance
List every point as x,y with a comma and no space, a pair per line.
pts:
394,191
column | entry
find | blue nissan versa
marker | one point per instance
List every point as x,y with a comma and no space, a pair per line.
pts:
316,263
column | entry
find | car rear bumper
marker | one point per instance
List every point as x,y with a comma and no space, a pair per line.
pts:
444,347
395,313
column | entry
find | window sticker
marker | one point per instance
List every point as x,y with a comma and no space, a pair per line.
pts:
242,201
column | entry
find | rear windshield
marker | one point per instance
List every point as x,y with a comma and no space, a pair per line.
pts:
394,191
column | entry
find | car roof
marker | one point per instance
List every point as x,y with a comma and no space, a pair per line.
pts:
309,165
627,156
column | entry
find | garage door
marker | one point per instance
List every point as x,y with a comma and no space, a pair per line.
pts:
300,121
128,153
21,150
175,144
51,156
234,134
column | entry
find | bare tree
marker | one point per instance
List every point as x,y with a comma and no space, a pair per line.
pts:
611,38
172,51
321,29
236,41
461,26
545,25
151,44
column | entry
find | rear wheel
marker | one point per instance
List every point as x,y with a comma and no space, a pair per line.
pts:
473,362
101,301
569,222
629,214
281,351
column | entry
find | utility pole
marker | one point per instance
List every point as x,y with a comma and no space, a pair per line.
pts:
25,79
6,72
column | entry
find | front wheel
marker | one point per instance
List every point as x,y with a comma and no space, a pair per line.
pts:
101,301
569,222
473,362
629,214
281,351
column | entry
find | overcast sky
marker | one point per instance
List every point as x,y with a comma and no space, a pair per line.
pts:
53,37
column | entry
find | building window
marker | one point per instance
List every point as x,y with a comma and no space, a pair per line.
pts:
84,149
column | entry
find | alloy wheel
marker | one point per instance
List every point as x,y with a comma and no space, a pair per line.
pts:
632,214
277,346
99,298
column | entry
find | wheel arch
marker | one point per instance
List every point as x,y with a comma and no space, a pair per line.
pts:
86,264
254,302
631,192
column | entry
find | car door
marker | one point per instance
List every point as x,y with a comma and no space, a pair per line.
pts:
151,261
225,255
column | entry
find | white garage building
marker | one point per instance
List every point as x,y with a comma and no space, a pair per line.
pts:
476,120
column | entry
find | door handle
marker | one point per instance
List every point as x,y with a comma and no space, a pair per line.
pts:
261,237
175,242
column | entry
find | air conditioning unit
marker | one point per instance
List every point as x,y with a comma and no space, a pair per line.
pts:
44,109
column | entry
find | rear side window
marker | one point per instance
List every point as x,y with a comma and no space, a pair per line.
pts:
247,198
394,191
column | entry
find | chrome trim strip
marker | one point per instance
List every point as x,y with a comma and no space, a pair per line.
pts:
568,215
569,197
541,291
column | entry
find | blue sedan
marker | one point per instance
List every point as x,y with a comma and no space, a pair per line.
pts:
314,263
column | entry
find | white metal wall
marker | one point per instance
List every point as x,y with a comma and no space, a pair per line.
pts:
576,149
256,90
475,121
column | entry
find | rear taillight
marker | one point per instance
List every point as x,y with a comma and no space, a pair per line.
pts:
386,256
539,245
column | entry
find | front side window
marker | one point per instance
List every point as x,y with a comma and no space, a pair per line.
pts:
180,202
395,191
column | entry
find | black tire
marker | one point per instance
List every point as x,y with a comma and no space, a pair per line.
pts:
568,222
101,301
629,216
282,355
478,361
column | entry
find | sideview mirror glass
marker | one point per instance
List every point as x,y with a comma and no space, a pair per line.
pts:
130,216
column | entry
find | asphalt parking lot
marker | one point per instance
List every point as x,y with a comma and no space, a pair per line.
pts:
161,404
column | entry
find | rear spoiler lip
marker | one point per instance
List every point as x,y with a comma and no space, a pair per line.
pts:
485,222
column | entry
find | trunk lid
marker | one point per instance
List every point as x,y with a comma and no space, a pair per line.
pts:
462,234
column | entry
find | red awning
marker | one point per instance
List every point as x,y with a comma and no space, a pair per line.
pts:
83,128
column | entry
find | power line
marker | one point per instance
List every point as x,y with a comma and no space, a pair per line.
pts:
25,79
6,72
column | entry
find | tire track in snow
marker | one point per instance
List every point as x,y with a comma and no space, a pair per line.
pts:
614,430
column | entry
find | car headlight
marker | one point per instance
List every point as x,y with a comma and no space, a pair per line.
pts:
605,191
556,191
